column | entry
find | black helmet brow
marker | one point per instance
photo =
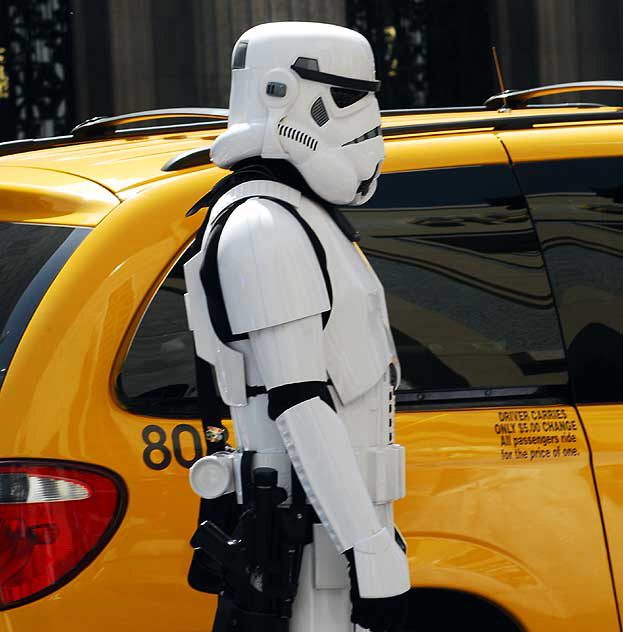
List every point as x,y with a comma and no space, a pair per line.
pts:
308,68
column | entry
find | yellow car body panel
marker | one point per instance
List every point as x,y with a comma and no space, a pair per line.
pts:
605,434
556,143
58,401
458,517
117,164
48,197
427,152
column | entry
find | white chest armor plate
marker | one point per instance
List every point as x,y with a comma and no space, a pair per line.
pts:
357,342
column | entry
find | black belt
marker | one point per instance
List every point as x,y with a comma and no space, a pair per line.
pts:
254,391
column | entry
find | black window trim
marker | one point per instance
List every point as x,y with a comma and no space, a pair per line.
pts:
455,399
28,302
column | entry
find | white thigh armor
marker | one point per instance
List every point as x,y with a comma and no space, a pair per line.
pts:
275,292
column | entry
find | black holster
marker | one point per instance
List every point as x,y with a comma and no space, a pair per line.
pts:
205,574
256,568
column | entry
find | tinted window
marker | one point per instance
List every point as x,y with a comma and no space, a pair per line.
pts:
578,211
467,292
30,258
158,376
468,295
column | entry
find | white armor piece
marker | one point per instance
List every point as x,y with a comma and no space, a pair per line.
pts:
347,463
303,92
275,292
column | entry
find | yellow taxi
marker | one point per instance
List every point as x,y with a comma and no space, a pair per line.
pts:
497,232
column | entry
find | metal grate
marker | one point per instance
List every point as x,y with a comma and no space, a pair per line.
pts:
397,31
37,39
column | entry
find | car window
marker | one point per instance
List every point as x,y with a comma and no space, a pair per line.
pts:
577,207
158,375
31,256
468,296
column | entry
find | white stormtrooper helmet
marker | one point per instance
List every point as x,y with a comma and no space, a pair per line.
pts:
304,92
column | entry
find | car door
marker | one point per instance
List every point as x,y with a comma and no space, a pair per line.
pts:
495,504
488,512
576,200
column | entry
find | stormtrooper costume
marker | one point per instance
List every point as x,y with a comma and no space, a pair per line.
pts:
310,367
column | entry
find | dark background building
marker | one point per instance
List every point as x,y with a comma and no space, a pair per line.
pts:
63,61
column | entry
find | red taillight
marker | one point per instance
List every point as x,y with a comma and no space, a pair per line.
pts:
55,517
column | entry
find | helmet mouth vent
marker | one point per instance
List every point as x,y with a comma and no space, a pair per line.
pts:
298,136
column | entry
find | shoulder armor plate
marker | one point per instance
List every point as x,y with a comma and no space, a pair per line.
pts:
268,268
246,286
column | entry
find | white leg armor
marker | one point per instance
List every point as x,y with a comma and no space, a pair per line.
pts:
322,602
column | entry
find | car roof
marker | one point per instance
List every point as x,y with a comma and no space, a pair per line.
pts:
97,172
118,164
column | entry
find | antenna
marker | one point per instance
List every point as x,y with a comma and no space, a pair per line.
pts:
499,74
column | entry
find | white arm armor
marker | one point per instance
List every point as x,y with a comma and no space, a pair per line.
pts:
268,269
274,290
322,455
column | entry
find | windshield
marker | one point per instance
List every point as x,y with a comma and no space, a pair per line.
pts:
31,256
